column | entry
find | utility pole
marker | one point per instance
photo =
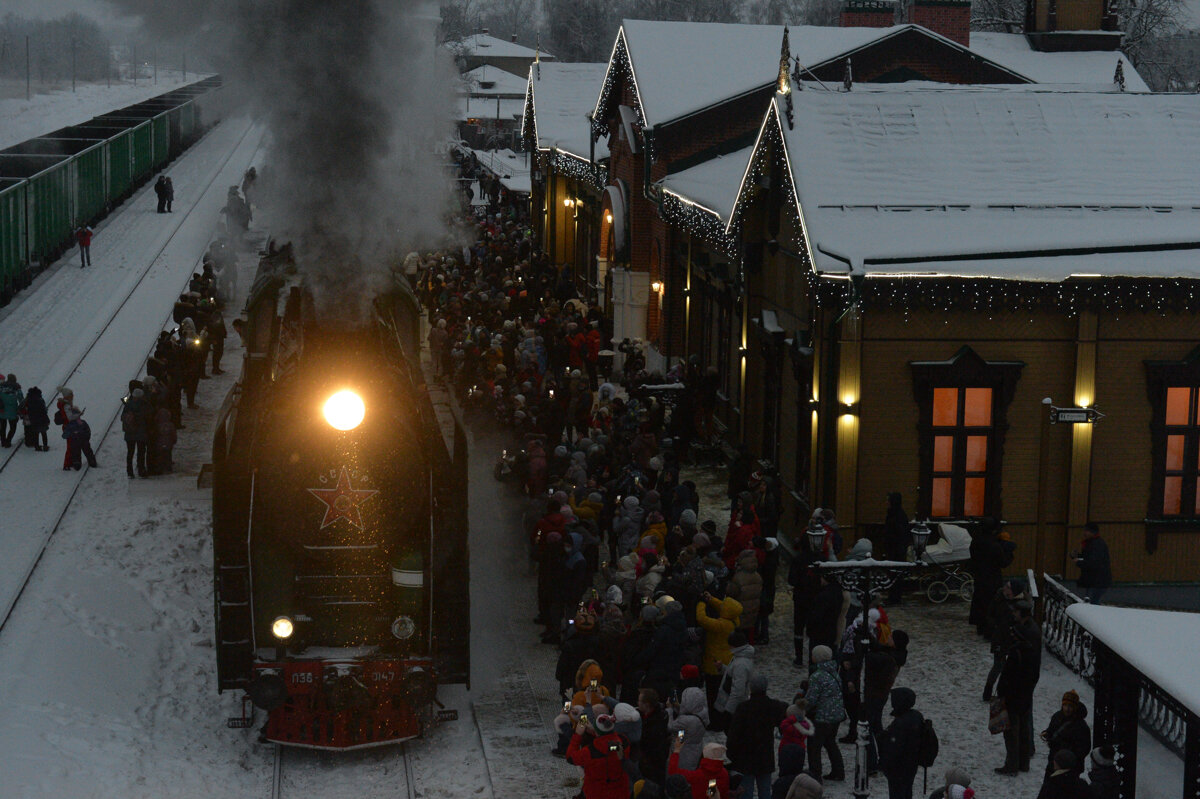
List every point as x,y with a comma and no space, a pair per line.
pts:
72,64
26,69
133,61
108,64
185,66
155,56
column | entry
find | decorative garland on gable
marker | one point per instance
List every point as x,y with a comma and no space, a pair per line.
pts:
580,168
698,221
619,69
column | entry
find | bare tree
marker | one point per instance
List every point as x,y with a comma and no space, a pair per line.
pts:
505,18
460,18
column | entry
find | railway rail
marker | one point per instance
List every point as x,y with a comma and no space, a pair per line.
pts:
10,603
343,772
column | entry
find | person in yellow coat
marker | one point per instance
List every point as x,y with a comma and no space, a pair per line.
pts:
719,618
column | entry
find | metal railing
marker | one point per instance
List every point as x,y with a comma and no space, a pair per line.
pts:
1072,645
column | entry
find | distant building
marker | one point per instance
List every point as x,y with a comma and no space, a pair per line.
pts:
480,49
489,107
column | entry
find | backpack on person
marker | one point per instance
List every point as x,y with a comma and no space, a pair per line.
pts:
927,750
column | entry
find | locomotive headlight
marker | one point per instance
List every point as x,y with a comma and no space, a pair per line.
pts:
282,628
344,410
403,627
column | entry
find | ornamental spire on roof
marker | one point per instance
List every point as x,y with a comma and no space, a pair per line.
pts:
784,83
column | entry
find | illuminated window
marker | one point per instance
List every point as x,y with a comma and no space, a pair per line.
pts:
963,405
962,430
1175,438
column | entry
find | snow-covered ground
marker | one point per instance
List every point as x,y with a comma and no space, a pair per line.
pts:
22,119
107,661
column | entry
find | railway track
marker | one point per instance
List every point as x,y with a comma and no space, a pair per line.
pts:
9,604
373,769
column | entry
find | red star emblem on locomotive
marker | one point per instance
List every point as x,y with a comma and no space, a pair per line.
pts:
342,501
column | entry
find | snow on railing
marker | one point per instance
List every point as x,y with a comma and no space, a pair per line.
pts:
1065,639
1072,645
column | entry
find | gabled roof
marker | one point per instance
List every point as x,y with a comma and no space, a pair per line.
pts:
713,185
1018,184
680,68
481,45
486,80
1094,68
505,110
558,102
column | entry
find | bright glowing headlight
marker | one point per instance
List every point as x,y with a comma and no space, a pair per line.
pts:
403,627
282,628
344,410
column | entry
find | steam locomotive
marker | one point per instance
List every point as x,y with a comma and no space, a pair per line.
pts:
339,525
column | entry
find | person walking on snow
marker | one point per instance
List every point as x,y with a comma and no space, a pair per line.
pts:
1095,566
83,236
898,750
135,424
751,739
170,193
160,190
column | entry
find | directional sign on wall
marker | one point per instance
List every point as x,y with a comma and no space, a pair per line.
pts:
1074,415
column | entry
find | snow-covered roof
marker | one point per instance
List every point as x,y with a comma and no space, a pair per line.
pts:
562,100
487,80
1093,68
486,108
482,45
684,67
1149,641
1025,185
713,185
512,168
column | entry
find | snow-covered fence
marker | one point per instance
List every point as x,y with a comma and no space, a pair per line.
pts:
1065,639
1075,648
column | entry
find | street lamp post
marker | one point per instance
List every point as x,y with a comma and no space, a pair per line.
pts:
866,578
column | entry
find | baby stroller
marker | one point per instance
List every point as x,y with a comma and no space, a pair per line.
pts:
943,564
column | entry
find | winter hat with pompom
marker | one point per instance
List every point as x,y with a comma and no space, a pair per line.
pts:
688,518
714,751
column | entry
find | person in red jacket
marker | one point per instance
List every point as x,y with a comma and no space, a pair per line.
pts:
83,235
743,529
710,774
601,753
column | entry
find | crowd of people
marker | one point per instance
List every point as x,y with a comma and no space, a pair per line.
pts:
656,604
152,410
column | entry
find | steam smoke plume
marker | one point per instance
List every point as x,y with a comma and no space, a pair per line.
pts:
354,99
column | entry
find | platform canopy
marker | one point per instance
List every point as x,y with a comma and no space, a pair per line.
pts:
1149,640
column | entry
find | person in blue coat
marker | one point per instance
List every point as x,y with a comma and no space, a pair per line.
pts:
79,436
11,398
1095,566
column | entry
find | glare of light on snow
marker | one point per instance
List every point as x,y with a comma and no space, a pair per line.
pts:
344,410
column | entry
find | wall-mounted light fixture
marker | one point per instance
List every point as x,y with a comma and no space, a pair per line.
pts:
608,217
656,287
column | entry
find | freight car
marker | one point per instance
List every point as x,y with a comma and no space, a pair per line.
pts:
339,525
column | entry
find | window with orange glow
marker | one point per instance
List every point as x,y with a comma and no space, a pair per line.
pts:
962,442
1181,457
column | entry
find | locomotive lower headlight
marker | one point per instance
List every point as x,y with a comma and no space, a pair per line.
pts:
403,627
344,410
282,628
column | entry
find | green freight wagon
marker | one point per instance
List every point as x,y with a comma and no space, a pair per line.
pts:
116,139
13,244
87,180
47,202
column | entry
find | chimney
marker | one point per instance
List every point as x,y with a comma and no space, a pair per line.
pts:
514,38
950,18
868,14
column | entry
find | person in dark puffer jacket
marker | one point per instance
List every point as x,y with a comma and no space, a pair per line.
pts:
898,748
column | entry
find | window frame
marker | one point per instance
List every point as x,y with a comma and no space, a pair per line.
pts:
1161,376
966,369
